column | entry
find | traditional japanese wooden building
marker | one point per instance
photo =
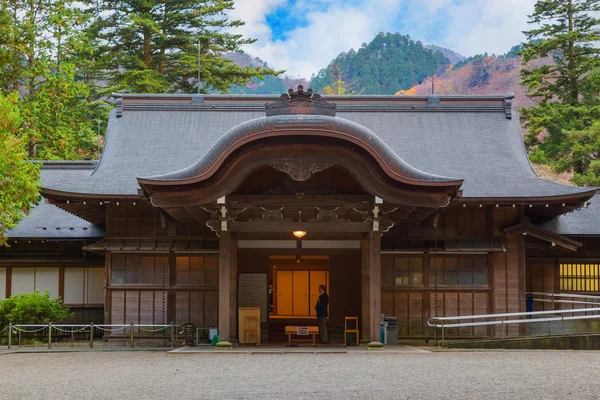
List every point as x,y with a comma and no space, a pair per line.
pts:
407,206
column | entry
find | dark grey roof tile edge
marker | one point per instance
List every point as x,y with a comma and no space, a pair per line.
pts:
344,97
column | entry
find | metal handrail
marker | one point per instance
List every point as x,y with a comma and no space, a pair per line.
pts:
517,321
552,301
580,296
518,314
434,322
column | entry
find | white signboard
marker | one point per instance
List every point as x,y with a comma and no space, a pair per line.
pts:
302,331
253,292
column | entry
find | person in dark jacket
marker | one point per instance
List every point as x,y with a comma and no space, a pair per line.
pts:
321,310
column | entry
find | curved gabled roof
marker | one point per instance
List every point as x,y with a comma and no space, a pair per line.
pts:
467,137
302,125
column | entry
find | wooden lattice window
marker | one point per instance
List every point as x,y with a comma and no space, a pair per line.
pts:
579,277
460,270
139,270
197,270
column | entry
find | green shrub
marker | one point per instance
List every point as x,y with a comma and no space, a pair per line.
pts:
32,308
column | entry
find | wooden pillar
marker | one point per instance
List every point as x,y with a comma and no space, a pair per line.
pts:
522,273
371,286
227,286
233,289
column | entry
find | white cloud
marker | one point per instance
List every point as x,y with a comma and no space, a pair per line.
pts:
466,26
253,13
490,25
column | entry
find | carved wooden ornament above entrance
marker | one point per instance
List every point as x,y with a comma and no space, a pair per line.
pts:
300,102
298,171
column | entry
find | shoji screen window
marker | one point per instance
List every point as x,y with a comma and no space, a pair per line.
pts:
579,277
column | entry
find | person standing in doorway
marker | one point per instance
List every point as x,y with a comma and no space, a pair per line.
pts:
321,310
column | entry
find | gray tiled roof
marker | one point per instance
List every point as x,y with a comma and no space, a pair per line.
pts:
484,147
585,221
44,219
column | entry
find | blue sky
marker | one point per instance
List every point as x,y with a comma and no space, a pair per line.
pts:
303,36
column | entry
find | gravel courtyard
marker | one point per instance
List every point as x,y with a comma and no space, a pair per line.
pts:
158,375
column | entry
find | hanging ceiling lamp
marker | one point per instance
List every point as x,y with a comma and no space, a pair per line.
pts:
299,234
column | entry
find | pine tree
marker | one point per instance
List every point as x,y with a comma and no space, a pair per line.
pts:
152,46
567,31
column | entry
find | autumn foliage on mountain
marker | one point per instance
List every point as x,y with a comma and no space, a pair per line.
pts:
480,75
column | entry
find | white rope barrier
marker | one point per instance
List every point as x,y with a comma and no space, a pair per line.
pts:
153,330
16,329
112,330
84,329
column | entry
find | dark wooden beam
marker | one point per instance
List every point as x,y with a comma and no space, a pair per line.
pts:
526,228
301,200
285,226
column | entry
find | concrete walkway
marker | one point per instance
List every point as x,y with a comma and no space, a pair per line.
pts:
213,350
298,350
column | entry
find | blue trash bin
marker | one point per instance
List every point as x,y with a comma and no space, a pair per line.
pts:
383,333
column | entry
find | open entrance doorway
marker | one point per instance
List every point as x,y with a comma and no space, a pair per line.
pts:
291,278
293,291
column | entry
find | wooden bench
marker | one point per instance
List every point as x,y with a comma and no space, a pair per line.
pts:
293,330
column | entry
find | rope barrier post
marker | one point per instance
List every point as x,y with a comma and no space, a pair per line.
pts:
49,336
131,334
442,333
172,334
91,335
10,335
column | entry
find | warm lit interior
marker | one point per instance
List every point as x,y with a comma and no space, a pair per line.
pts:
296,285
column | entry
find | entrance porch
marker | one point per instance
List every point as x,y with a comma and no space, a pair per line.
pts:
292,271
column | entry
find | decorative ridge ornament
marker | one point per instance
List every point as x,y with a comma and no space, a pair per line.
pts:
300,102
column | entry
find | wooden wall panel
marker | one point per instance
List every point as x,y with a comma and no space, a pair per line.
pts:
197,308
117,311
401,312
147,307
415,312
387,302
132,307
480,306
182,306
541,277
465,306
211,307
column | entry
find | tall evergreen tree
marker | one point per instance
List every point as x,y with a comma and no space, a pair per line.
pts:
151,46
568,31
40,40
